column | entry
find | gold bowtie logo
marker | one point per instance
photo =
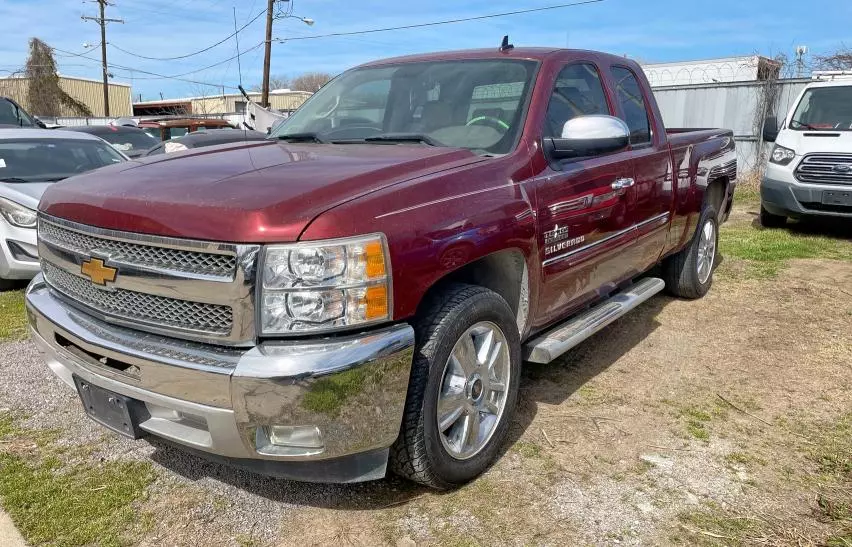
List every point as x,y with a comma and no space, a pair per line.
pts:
95,270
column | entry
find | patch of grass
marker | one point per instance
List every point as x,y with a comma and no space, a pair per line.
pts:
747,194
833,454
528,450
767,251
13,316
713,526
743,458
65,505
698,418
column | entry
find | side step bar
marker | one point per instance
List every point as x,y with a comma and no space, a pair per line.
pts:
561,338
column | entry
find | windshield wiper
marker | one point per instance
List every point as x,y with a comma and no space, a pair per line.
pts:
404,137
301,137
803,124
13,179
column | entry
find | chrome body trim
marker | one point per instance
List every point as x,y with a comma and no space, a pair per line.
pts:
657,220
215,398
235,290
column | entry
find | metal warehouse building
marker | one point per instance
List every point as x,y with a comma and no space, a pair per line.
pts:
89,92
284,100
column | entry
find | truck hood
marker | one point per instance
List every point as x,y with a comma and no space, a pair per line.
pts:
241,193
24,193
815,142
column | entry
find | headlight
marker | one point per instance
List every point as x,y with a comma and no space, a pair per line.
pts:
18,215
324,285
781,155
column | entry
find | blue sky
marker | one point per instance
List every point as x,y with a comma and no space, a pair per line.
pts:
653,30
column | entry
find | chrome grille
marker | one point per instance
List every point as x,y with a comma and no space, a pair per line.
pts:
179,260
148,308
826,169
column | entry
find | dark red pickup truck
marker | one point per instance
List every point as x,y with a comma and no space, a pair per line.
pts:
360,292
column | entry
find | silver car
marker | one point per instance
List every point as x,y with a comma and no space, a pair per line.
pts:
30,161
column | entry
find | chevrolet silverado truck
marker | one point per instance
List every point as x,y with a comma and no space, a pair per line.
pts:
358,293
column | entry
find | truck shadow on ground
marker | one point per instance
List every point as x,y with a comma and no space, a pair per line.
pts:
550,384
832,227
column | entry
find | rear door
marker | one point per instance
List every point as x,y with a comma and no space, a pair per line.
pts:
584,223
652,193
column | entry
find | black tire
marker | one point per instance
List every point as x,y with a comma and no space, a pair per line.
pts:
418,453
769,220
680,271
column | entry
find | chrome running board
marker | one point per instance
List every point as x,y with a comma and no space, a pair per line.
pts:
565,336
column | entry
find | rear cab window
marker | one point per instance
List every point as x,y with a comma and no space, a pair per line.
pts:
634,109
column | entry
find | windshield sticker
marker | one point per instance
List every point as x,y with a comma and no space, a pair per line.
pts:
2,163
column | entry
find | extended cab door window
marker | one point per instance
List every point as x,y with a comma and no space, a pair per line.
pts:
578,92
634,111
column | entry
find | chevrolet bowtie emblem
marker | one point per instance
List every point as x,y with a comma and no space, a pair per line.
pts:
95,270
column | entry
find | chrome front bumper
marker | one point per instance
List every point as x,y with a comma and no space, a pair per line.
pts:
218,400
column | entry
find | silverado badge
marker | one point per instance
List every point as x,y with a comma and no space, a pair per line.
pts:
95,270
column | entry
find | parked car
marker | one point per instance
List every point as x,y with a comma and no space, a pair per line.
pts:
359,293
30,161
131,141
210,137
13,115
170,128
809,173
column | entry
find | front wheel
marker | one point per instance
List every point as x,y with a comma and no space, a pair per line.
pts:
769,220
463,389
689,273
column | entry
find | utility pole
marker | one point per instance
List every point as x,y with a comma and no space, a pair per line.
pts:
264,98
102,21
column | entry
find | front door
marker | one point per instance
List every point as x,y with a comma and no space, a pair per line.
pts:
585,233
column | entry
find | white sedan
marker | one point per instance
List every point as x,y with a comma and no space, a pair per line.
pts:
30,161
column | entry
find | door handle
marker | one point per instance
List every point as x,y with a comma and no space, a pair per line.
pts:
622,183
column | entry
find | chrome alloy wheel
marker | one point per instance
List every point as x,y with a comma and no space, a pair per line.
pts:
473,388
706,251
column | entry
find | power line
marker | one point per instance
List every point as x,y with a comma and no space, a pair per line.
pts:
159,76
436,23
222,62
208,48
102,20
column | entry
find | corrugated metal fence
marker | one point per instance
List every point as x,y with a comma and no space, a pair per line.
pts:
735,106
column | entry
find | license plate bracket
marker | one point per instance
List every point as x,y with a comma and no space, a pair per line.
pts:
112,410
837,197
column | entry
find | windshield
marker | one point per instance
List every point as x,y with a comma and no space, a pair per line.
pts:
44,160
824,108
12,115
476,104
130,141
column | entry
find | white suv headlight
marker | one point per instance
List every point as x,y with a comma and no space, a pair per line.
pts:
324,285
18,215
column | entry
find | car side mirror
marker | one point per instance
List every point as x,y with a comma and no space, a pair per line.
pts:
588,136
770,129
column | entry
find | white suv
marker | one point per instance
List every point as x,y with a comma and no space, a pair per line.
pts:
810,169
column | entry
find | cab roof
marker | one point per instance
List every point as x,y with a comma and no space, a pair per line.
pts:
519,53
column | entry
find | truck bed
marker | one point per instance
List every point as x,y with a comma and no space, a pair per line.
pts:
680,136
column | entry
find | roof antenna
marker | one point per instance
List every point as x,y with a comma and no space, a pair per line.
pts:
506,46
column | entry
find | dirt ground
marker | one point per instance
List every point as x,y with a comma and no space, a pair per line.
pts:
683,423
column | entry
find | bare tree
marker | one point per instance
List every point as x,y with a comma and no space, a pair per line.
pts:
839,60
275,82
310,81
44,95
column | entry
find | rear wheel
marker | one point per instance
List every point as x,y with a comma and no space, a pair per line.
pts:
463,389
769,220
689,273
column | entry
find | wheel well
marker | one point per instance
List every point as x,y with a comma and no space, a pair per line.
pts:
504,272
715,194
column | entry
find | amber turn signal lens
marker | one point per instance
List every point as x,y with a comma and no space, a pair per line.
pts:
376,302
375,256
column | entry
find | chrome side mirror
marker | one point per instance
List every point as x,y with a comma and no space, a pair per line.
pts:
588,136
